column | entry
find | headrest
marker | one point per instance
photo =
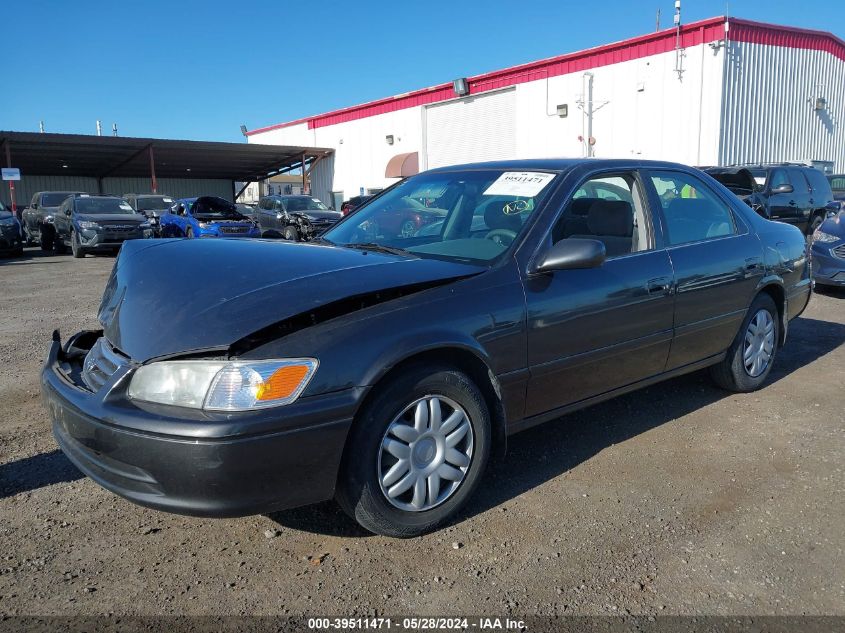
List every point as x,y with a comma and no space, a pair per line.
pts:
581,206
611,217
496,218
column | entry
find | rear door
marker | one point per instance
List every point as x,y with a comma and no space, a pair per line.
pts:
717,263
802,195
594,330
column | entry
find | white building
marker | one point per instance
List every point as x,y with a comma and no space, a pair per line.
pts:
716,92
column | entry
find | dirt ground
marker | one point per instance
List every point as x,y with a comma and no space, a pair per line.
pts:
678,499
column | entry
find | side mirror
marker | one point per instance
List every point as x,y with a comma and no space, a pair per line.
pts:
34,205
783,189
571,253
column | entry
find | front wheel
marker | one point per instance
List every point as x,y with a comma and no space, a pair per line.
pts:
291,233
46,239
189,233
416,452
59,247
815,223
752,354
75,246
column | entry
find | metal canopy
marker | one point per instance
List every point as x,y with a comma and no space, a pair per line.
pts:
38,154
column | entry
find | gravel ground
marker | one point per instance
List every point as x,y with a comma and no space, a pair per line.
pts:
677,499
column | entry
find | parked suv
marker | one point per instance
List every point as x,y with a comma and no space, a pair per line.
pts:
791,193
295,218
96,224
153,206
38,217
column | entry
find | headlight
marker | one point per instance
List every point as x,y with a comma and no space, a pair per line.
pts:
222,385
144,226
824,238
203,225
88,225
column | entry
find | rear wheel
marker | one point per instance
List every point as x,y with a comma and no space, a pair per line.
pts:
752,354
75,246
291,233
416,453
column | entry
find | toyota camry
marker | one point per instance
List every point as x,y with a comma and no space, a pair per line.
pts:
385,369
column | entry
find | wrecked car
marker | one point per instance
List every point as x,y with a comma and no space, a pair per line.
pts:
386,370
295,218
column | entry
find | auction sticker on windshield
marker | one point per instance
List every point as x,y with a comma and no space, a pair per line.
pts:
519,183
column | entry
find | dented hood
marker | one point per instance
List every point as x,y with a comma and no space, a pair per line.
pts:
173,297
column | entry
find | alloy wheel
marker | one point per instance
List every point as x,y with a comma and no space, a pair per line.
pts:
759,343
425,454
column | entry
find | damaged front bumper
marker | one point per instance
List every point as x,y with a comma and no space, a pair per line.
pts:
194,462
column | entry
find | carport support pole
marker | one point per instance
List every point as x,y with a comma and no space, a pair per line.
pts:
11,182
154,184
303,174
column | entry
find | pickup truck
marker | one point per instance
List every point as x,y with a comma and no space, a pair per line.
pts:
37,218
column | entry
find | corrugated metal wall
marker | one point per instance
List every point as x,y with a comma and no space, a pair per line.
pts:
176,187
322,180
768,109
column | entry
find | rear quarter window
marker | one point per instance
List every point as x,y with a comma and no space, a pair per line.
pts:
819,183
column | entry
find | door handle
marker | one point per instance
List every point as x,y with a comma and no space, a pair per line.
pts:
659,285
792,203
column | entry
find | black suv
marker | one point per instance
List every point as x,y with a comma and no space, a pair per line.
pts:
793,193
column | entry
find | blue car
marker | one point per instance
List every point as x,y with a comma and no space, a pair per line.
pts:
829,251
206,216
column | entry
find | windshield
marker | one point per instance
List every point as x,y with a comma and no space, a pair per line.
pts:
103,206
53,199
154,203
759,176
471,216
215,208
304,204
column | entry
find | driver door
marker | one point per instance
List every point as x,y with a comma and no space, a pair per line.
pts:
594,330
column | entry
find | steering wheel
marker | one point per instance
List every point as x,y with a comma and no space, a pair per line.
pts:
504,237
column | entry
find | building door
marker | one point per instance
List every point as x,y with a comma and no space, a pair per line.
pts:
337,200
476,128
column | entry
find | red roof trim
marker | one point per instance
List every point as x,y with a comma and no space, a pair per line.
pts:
693,34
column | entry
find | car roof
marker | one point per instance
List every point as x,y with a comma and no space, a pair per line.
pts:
289,195
560,164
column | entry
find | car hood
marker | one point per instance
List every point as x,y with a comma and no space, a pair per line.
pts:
111,218
319,215
219,291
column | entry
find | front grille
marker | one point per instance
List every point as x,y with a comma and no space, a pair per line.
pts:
120,228
100,364
839,251
234,229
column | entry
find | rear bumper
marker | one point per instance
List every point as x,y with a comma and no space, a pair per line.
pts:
209,465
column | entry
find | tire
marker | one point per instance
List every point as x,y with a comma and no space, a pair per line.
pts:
46,239
366,464
27,237
75,246
291,233
59,245
732,373
189,233
815,222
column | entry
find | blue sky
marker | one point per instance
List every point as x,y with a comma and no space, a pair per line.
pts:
197,70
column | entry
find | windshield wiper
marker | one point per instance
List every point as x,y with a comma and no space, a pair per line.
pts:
379,248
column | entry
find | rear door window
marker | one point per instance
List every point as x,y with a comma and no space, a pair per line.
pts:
693,212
